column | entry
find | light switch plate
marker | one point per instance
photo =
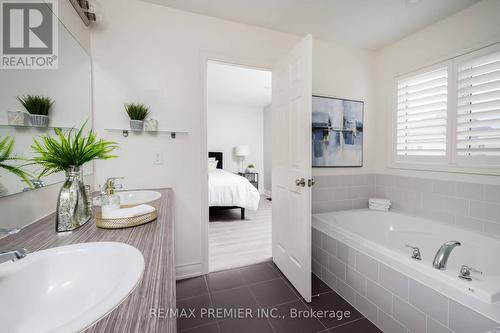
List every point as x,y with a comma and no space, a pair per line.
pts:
157,158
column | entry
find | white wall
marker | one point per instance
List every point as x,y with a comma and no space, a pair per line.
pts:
152,54
24,208
268,150
345,72
232,125
467,30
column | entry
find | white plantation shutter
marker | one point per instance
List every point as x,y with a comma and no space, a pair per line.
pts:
478,106
421,114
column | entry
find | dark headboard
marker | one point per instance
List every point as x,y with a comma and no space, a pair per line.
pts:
218,156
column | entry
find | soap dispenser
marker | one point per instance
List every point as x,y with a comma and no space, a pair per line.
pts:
109,201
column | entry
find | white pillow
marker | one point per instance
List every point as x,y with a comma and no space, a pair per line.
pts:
212,165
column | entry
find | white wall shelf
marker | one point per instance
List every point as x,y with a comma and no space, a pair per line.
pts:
35,127
126,131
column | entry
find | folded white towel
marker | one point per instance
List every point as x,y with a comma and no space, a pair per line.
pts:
380,201
379,209
129,212
379,205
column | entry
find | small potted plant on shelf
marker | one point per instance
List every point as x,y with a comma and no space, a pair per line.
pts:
69,151
137,112
38,107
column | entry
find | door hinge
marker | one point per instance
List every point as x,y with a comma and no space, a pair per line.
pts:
311,182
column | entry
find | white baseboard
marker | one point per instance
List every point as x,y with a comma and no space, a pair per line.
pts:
188,270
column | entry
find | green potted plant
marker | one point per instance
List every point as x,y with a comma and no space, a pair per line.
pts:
38,107
69,151
137,112
6,159
250,168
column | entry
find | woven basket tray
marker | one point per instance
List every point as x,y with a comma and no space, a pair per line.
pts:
125,222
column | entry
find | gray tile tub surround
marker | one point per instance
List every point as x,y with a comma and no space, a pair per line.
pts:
391,300
342,192
472,206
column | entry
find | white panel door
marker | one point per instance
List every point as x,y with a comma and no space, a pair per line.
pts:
291,113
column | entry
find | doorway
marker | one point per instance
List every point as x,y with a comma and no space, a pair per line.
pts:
291,162
239,146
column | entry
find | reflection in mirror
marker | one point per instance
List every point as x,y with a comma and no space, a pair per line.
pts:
68,86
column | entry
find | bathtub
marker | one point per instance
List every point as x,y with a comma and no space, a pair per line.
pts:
383,236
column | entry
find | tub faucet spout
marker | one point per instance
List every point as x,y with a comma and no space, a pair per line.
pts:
441,257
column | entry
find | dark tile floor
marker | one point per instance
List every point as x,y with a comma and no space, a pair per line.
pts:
247,293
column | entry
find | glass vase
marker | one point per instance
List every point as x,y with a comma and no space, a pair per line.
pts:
72,204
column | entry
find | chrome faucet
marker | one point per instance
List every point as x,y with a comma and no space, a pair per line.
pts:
37,183
465,272
11,254
416,252
441,257
110,183
8,231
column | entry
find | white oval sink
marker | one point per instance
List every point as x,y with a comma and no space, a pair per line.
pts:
134,198
67,288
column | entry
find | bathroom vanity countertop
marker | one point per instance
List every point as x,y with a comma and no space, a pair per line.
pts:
157,286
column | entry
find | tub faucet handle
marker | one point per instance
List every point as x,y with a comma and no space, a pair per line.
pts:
465,272
416,252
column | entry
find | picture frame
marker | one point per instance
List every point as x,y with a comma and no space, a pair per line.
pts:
337,132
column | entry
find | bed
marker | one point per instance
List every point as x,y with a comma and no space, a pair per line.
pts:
227,190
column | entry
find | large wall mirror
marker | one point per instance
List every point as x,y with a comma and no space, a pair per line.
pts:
68,86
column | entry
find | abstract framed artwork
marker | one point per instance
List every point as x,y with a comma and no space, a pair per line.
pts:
337,132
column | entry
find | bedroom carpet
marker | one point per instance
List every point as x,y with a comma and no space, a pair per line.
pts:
234,242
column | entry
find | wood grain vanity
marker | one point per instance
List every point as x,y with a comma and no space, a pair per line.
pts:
156,290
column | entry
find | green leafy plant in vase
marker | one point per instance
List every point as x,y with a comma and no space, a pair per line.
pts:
38,107
69,151
8,160
137,112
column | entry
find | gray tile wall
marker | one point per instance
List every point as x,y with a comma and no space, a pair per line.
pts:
332,193
392,301
467,205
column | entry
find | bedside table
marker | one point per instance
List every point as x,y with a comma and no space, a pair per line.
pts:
253,178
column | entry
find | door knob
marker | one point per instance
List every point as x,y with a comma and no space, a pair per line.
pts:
300,182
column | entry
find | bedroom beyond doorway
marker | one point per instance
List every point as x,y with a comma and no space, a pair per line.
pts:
239,165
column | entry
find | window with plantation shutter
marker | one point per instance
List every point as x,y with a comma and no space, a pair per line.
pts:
447,117
478,106
421,117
